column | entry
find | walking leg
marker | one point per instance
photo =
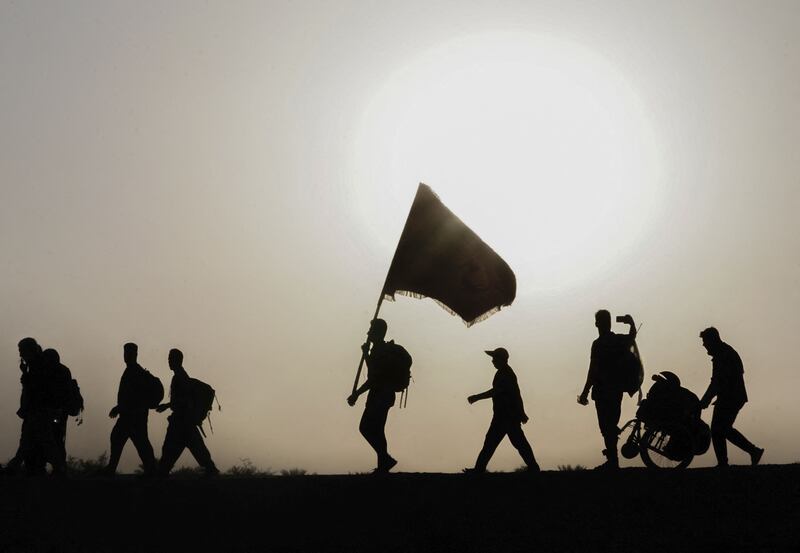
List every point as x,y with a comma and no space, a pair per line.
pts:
373,428
737,438
608,414
494,436
119,435
721,425
519,441
141,442
174,444
198,448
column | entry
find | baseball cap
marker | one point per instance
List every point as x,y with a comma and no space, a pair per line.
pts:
498,353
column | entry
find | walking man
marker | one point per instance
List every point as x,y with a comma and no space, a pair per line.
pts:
509,415
727,385
605,380
138,392
60,380
381,397
182,428
39,407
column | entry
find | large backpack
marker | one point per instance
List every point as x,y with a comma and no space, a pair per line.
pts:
152,390
630,371
202,402
397,374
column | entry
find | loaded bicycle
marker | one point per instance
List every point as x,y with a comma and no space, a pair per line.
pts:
667,431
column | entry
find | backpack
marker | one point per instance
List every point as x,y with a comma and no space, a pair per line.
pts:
152,390
397,373
73,401
630,371
202,402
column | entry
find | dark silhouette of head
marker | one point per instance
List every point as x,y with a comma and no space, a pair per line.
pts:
29,350
51,357
499,357
175,359
377,330
602,320
711,339
130,353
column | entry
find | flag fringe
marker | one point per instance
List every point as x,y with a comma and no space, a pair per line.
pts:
418,296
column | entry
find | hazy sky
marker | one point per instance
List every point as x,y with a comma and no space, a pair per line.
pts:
230,178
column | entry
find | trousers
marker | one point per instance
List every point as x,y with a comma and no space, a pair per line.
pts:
609,409
183,434
373,423
722,432
133,427
40,443
499,428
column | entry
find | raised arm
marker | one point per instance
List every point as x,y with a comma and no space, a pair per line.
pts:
628,319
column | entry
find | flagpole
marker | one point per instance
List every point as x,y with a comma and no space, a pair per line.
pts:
383,290
363,353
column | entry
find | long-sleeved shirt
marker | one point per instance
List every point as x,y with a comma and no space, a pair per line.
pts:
506,397
604,365
132,392
727,378
180,393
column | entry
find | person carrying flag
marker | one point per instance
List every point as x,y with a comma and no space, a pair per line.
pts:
381,396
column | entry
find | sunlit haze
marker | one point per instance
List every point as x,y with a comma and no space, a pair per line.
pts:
547,130
231,180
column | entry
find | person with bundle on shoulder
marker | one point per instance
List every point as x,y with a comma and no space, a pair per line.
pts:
607,379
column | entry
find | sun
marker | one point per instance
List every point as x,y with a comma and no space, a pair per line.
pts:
538,144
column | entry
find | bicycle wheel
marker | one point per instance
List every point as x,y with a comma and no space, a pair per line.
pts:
630,448
666,449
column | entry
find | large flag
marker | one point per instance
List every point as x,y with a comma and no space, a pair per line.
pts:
439,257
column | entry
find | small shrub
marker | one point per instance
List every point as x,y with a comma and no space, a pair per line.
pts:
86,467
187,472
293,472
570,468
246,469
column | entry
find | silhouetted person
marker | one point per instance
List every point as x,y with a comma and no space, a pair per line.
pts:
39,407
381,396
509,414
134,400
727,385
16,462
182,430
60,380
604,379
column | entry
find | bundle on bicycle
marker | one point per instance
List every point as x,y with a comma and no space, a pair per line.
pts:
667,431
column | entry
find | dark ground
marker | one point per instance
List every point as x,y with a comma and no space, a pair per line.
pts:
743,509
